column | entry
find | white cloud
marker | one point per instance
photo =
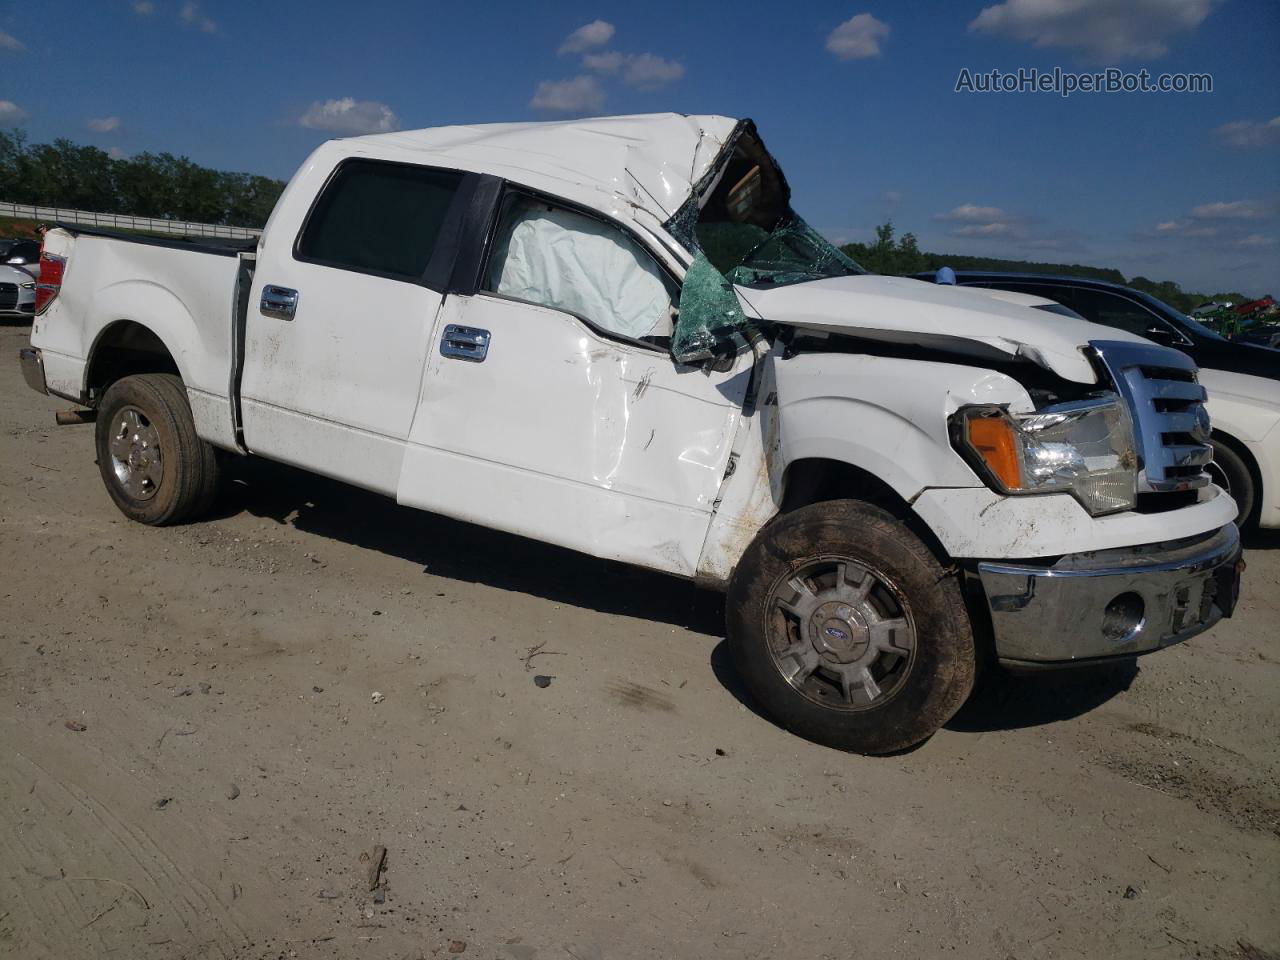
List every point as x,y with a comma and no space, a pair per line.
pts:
646,71
984,223
11,113
1103,30
9,42
858,37
1247,134
193,16
642,71
579,96
999,228
103,124
1225,225
1232,210
1185,227
143,8
594,34
971,213
607,61
350,116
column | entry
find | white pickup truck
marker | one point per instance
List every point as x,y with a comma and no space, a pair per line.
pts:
616,335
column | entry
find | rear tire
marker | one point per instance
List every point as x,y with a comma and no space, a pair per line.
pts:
155,467
1232,474
848,631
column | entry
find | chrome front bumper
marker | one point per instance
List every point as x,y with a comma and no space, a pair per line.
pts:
33,369
1111,603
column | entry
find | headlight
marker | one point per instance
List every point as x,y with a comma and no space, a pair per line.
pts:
29,285
1084,448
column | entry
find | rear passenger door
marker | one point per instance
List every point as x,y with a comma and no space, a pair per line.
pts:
340,320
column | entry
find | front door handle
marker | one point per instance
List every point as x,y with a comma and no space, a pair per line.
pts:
464,343
279,302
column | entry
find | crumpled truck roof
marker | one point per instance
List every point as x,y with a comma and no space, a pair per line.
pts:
650,161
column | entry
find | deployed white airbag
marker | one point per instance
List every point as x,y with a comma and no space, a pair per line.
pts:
582,265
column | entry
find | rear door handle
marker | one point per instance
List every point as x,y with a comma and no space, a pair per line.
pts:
279,302
464,343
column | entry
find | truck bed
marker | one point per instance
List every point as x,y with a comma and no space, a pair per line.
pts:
223,246
185,292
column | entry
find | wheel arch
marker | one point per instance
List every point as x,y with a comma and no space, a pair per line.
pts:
123,348
811,480
1241,450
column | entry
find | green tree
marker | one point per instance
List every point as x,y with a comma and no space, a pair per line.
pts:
65,174
903,257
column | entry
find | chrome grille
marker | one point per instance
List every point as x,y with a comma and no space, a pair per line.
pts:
8,296
1171,425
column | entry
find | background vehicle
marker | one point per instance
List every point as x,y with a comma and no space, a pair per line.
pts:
20,253
616,335
17,293
1242,379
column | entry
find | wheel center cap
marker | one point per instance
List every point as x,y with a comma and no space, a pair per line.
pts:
839,632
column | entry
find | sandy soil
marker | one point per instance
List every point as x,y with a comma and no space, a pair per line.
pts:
192,762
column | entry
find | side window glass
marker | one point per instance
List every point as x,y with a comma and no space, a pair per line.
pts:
28,251
1113,311
379,218
572,262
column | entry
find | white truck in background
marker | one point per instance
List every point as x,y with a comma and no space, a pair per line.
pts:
616,335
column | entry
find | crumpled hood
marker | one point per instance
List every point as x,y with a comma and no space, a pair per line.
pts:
901,310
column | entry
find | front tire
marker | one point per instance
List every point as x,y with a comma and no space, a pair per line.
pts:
155,467
848,631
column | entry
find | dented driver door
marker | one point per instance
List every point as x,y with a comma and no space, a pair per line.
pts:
564,435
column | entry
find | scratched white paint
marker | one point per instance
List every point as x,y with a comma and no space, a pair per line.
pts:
563,435
977,522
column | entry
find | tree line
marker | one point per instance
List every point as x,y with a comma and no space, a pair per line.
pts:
903,257
160,185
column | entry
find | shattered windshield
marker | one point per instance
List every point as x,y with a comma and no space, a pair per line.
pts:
791,253
742,231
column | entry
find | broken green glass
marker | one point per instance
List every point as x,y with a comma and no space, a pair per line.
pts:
709,314
793,253
711,322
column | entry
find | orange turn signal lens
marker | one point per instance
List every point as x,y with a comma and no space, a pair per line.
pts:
992,439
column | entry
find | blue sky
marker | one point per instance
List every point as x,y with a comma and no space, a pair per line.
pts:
856,100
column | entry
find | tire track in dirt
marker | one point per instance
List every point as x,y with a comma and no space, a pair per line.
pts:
188,900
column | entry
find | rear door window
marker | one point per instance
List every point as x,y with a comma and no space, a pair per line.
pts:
382,218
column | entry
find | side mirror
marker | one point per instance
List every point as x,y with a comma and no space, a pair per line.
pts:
1162,335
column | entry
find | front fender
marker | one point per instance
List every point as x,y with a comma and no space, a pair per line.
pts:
886,415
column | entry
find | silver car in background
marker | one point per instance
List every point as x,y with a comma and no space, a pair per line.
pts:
17,292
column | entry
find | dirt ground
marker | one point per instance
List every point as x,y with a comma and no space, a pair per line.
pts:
192,761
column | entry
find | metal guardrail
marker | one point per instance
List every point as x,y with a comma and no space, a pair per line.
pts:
124,221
